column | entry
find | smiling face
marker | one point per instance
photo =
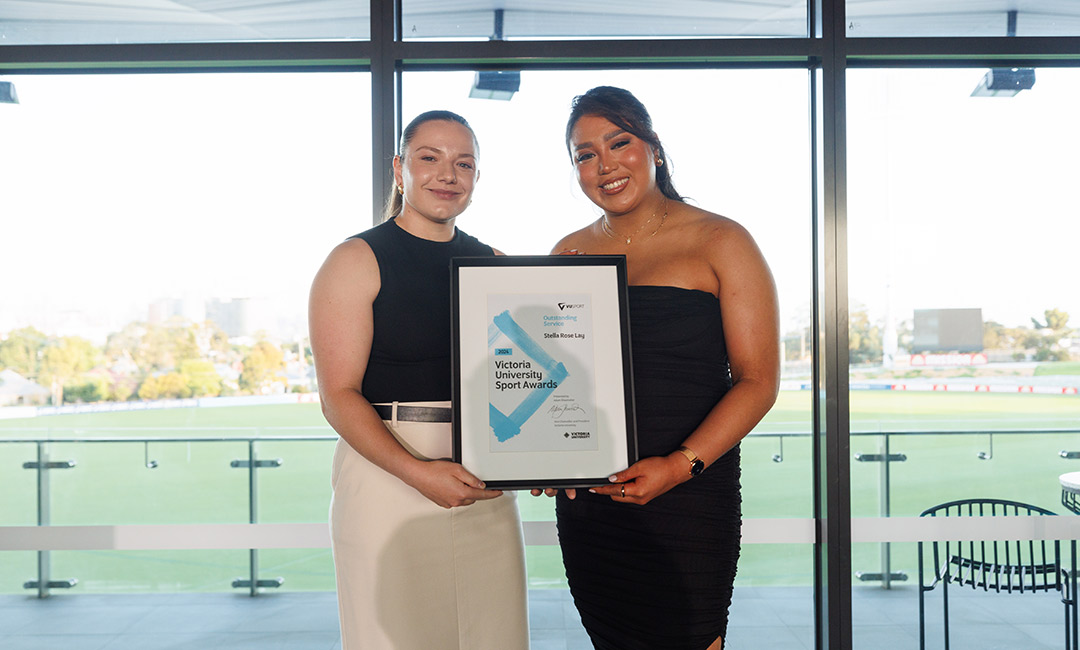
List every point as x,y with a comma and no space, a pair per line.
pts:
615,168
437,171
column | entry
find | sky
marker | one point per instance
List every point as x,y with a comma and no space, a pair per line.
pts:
123,190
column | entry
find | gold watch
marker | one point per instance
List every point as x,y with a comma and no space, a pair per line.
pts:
697,466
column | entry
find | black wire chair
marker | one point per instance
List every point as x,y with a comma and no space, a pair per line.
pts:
1031,566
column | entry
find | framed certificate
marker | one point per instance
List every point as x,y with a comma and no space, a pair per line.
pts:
542,384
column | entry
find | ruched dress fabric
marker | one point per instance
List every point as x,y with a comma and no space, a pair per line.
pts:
410,574
660,576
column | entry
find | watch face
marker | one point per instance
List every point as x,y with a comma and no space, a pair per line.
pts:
697,467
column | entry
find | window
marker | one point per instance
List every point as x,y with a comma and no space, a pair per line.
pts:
962,299
159,229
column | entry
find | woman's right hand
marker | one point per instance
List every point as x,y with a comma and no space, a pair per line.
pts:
448,484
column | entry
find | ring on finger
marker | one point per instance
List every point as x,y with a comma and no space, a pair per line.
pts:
623,486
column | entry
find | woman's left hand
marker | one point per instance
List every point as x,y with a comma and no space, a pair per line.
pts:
646,479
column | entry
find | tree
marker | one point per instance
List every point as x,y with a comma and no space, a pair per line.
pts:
864,338
21,351
65,359
1055,320
1048,335
264,366
164,386
1042,341
173,385
153,353
201,378
995,336
156,347
213,342
150,389
146,345
94,389
184,339
797,344
164,346
126,343
122,389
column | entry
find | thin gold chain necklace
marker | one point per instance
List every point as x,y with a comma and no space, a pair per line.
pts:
610,232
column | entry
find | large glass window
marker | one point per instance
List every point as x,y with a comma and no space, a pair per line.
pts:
160,236
160,233
963,334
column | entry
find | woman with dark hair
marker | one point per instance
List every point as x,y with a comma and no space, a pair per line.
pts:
425,557
651,558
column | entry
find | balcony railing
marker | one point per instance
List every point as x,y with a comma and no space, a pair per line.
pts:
229,518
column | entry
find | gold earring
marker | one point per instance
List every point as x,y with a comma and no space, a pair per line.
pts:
659,162
400,190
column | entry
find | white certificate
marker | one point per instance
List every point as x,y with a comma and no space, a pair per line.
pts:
543,391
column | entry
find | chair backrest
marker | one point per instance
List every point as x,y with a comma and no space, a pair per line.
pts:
1010,566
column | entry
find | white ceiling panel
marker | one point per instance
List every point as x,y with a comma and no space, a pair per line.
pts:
139,21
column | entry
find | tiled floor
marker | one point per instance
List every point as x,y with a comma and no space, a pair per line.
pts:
761,619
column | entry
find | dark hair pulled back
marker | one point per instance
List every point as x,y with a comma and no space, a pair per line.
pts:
395,202
625,111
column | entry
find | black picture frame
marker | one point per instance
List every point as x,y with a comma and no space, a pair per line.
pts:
543,391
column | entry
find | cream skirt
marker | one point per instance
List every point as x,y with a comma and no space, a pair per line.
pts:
414,576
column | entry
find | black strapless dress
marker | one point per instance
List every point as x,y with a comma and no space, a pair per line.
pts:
660,576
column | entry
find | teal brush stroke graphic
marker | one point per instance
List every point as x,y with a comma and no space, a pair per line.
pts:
508,426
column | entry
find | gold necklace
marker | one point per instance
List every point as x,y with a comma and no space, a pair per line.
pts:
610,232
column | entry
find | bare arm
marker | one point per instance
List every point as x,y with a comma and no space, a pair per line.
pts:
752,336
341,324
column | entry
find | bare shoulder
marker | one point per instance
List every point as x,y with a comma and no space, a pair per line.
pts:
713,229
351,265
351,251
726,246
578,240
722,237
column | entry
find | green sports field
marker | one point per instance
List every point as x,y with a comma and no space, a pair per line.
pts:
194,483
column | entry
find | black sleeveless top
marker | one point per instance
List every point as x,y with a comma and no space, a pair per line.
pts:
410,347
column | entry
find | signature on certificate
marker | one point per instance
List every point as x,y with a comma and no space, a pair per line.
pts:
559,410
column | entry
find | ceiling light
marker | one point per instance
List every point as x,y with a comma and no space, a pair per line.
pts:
1004,82
495,84
7,93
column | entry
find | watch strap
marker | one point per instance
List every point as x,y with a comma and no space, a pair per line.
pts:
690,455
696,464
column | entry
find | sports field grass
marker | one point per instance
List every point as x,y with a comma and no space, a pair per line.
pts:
1058,368
193,482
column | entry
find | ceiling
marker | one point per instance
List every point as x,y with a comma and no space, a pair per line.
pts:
155,21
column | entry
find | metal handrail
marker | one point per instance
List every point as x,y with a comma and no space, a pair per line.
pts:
172,439
334,436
